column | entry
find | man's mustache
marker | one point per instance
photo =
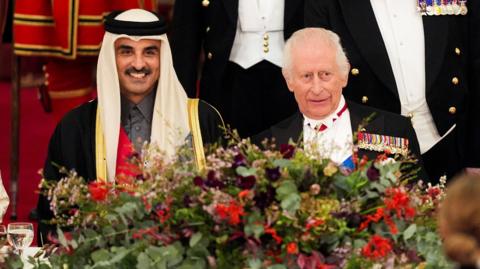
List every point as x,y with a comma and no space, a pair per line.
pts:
133,70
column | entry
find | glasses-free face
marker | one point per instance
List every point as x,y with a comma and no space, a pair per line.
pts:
315,79
138,66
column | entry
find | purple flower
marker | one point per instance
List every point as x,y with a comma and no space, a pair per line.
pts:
264,199
373,174
239,160
198,181
353,220
273,173
246,183
213,181
139,177
287,150
187,200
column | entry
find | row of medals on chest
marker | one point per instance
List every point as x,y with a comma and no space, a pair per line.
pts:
451,8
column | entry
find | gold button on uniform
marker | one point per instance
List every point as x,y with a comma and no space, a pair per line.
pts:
265,43
207,30
355,71
452,110
458,51
265,37
205,3
455,80
265,49
209,55
364,99
410,115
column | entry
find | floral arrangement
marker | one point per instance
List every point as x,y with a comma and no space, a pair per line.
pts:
250,208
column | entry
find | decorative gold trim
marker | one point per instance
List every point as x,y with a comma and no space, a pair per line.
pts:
44,53
70,93
197,141
31,17
90,23
100,156
33,23
89,47
28,46
73,26
91,17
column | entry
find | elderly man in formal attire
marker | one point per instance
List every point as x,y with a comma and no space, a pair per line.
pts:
419,59
316,71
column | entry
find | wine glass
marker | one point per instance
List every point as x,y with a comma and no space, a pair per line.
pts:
3,235
20,235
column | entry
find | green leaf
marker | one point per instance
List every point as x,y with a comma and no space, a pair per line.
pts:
286,188
245,172
291,203
195,239
143,261
281,163
409,232
288,195
254,264
254,225
277,266
359,243
100,255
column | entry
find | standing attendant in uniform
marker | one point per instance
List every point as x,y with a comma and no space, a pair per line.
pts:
420,59
243,42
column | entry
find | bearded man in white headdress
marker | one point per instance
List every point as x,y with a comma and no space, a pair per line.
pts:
139,100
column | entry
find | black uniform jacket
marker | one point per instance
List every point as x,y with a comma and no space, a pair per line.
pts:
382,123
72,146
212,27
452,55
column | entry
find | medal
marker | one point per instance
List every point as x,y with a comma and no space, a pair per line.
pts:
436,9
463,8
442,7
449,9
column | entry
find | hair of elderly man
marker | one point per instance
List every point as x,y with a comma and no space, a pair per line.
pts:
319,35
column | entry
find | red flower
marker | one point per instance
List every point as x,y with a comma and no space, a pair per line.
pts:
377,248
273,233
312,223
292,248
398,200
232,212
98,190
375,217
433,192
287,150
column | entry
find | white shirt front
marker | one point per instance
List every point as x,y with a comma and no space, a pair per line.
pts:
260,26
401,27
336,141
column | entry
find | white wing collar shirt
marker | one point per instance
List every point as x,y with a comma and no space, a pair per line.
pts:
334,140
259,33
